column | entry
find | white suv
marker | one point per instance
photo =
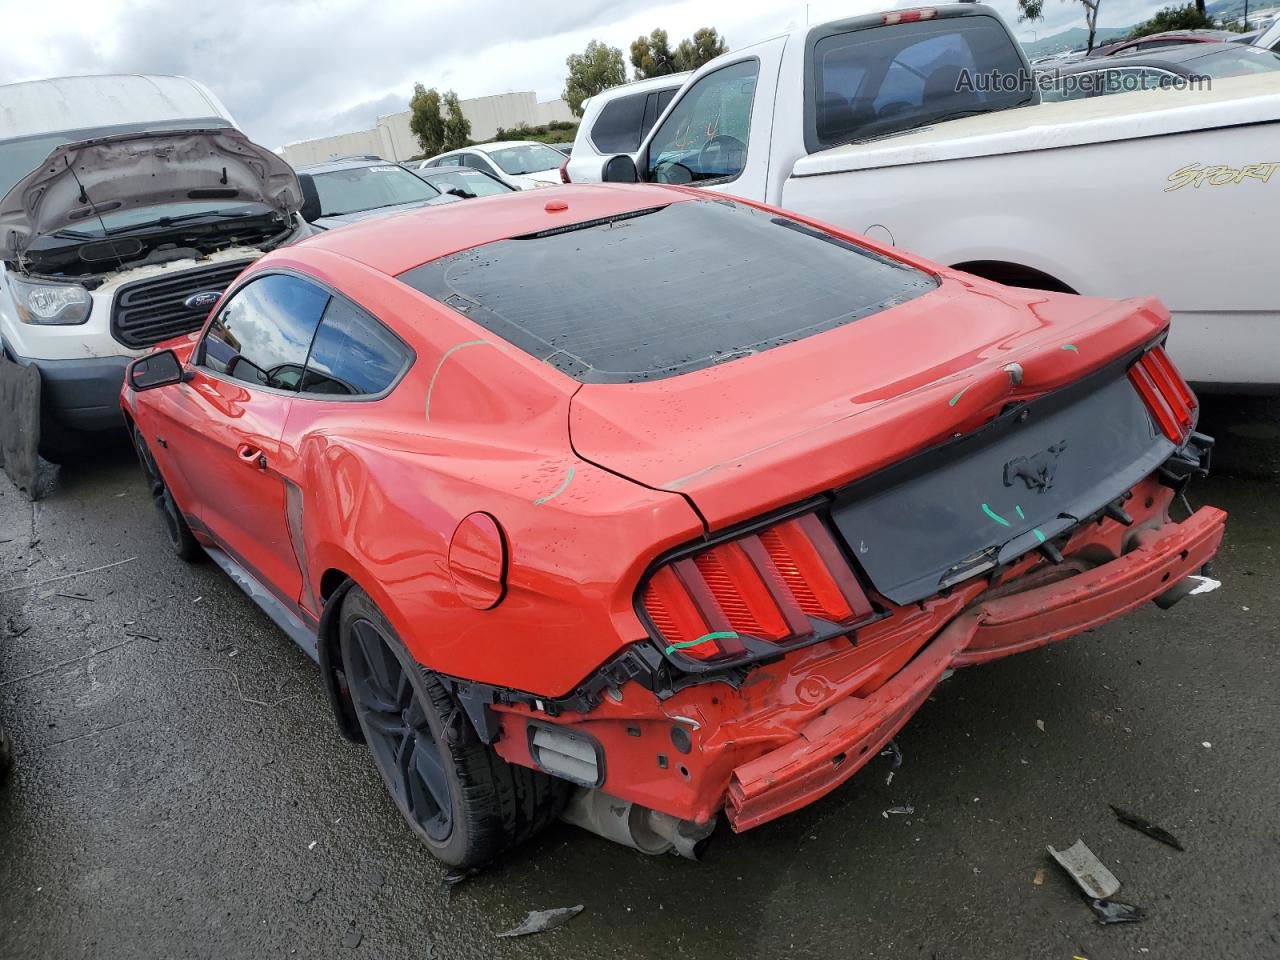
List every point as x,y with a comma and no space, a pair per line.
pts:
129,204
616,121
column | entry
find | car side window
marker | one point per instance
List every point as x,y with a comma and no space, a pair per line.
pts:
473,161
262,334
617,129
705,136
353,354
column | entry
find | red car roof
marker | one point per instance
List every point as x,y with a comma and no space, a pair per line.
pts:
394,244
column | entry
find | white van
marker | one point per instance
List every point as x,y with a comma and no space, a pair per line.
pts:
616,120
129,204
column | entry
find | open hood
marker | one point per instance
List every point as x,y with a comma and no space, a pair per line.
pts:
132,171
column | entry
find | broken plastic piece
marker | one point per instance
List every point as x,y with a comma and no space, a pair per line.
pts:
905,809
1114,911
540,921
1143,825
1097,882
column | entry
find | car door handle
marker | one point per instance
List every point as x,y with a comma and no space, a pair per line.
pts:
252,456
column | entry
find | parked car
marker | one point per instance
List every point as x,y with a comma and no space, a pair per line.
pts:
867,123
129,203
522,164
464,182
344,191
655,504
1270,40
615,121
1162,41
1166,69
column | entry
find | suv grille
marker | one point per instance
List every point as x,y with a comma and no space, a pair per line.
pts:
148,311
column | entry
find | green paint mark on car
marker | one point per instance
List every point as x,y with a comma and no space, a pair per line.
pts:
995,516
705,638
559,490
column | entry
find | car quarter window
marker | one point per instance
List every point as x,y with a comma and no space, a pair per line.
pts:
353,354
705,136
617,129
261,336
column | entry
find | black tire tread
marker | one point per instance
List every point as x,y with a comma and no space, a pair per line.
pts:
502,804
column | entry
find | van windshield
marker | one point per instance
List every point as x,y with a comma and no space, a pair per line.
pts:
884,80
660,292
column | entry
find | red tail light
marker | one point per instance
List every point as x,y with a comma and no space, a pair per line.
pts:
564,172
755,595
1166,394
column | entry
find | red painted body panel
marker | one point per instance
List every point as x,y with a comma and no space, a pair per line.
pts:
589,484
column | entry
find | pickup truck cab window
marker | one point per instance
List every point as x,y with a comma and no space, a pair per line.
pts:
263,333
877,81
704,139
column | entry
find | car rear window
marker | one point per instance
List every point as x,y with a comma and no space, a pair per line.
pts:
665,291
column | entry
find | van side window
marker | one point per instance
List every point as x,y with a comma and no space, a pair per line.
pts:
704,138
617,129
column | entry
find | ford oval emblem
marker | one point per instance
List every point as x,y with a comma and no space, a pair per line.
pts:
202,300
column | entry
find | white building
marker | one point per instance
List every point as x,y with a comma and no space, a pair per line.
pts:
392,139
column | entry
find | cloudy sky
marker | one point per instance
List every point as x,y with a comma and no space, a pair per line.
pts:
296,69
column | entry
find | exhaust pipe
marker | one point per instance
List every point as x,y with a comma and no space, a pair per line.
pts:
634,826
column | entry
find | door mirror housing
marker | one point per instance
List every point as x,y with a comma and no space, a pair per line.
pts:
159,369
620,169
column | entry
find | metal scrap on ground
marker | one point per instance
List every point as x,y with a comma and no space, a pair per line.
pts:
1086,870
540,921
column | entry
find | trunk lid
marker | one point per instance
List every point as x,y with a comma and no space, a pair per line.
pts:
772,429
132,171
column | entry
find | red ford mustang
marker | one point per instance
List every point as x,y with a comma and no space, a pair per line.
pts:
659,505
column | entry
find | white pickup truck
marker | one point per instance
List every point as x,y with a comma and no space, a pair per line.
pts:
891,125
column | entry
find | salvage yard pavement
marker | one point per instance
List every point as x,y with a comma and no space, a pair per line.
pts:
180,789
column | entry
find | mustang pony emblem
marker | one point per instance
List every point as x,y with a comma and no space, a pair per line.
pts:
1036,471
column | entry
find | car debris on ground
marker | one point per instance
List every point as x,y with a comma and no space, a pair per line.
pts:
540,921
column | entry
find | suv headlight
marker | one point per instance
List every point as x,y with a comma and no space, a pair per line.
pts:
42,302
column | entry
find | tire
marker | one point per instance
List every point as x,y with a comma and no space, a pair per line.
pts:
463,801
175,525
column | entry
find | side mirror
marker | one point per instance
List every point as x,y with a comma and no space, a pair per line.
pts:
158,369
620,169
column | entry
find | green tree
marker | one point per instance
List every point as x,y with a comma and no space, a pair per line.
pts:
705,45
425,120
1034,10
457,128
651,56
1173,18
597,68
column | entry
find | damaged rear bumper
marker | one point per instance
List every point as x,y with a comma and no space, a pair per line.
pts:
833,746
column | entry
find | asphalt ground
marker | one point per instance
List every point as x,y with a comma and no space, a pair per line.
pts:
181,791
